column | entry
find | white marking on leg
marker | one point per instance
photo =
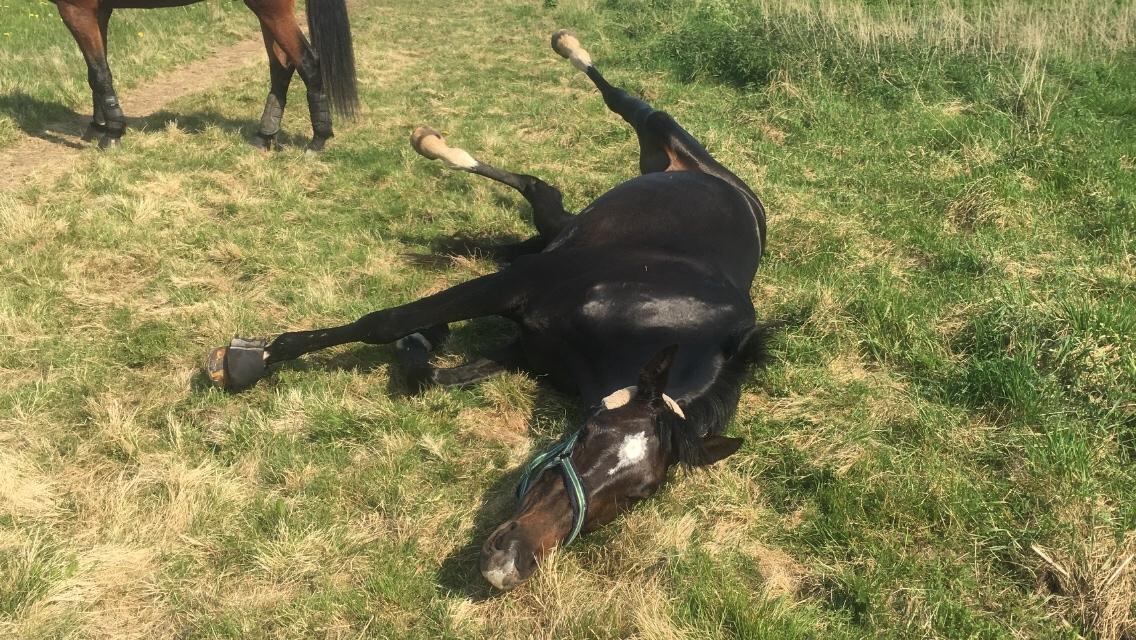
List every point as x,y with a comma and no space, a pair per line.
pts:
457,159
416,338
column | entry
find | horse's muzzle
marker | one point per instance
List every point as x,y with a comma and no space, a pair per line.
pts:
506,559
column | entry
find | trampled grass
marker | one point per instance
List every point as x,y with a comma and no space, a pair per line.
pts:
942,446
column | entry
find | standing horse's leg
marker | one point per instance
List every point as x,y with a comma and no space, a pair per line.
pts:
87,21
549,215
97,128
244,362
280,72
277,17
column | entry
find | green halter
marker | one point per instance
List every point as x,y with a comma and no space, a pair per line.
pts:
559,455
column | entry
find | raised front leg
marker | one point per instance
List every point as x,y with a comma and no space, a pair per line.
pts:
243,362
87,22
549,215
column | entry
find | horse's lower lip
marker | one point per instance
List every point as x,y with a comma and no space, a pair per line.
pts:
502,572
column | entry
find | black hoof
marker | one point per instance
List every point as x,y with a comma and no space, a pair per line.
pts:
316,146
237,366
413,354
263,142
94,131
109,141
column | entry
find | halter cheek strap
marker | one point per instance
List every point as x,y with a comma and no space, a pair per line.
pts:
560,455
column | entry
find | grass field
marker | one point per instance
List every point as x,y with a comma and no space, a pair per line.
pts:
943,445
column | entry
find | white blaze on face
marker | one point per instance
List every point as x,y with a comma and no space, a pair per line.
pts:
631,452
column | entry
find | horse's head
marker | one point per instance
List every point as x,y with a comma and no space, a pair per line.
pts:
620,456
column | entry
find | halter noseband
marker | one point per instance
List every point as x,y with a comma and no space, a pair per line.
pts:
560,455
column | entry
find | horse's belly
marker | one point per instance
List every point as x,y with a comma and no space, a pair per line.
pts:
149,4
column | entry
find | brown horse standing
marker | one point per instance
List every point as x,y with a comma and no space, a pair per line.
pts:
327,68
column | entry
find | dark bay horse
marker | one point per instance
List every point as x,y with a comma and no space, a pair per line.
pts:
327,66
640,304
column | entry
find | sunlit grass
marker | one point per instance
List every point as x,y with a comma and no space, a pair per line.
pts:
942,446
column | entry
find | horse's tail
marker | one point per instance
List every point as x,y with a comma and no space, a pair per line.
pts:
331,38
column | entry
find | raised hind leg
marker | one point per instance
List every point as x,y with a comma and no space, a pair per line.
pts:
549,215
663,144
280,72
87,21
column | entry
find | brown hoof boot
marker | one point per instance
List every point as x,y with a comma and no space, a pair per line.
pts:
237,366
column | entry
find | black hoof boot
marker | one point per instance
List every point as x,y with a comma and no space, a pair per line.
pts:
95,131
315,147
237,366
110,141
264,142
413,355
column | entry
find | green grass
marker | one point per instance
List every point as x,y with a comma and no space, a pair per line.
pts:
943,447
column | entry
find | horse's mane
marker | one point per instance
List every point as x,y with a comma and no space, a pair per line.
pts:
710,411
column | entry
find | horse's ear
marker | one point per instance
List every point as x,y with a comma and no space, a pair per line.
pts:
653,376
719,447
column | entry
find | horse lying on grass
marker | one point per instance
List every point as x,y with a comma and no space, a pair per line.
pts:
640,303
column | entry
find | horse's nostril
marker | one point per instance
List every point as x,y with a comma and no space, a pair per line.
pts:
503,542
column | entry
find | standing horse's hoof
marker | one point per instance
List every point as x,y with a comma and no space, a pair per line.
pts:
263,142
237,366
94,132
315,147
110,142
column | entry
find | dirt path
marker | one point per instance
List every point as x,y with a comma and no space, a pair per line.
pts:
48,155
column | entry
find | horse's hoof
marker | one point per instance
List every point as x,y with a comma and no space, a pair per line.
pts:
93,132
263,142
315,147
110,142
567,46
237,366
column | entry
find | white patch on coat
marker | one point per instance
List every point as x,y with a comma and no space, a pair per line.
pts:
619,398
631,452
